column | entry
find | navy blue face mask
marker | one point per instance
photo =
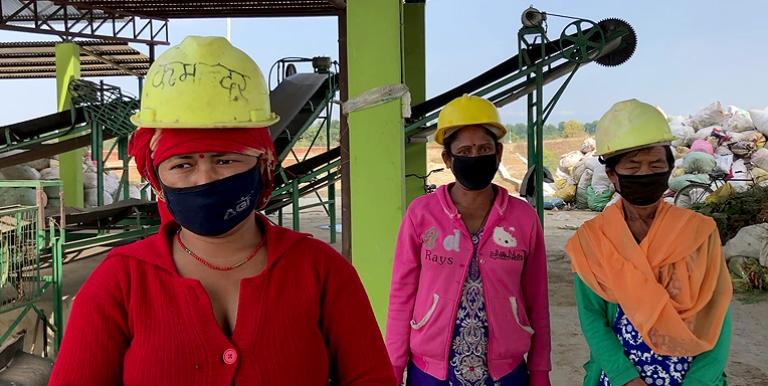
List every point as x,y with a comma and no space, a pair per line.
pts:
217,207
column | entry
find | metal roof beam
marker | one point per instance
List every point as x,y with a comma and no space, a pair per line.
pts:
48,75
84,63
135,70
217,8
339,4
111,62
52,55
242,14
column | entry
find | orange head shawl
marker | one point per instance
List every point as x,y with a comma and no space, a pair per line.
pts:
674,286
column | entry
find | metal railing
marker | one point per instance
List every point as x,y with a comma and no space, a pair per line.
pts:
24,240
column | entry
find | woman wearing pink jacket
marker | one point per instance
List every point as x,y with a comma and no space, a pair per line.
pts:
468,304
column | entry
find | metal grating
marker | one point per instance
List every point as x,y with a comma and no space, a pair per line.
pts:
47,8
27,60
20,279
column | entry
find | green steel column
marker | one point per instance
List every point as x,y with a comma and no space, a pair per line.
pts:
376,142
295,197
540,143
58,311
71,163
125,179
414,74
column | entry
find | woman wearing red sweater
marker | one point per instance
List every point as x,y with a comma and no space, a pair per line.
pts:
220,296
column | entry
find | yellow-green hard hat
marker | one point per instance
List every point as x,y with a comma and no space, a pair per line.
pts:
204,83
468,110
631,125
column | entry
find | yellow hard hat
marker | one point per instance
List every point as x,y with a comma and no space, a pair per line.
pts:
631,125
204,83
468,110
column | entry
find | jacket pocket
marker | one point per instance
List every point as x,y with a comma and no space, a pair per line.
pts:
515,310
418,325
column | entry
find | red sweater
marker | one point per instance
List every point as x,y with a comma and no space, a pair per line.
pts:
304,320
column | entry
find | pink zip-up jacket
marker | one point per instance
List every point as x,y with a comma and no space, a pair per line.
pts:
431,263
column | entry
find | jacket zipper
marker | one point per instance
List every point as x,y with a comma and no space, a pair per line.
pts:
475,250
485,303
455,307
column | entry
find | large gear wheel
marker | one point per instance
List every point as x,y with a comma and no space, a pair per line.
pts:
581,40
625,49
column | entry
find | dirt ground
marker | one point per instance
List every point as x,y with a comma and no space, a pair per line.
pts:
749,347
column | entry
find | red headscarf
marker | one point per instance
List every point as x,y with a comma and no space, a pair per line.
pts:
150,147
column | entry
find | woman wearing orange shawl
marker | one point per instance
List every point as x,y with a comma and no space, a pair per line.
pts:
651,283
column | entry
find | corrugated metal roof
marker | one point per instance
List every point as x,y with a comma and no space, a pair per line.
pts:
26,60
45,8
218,8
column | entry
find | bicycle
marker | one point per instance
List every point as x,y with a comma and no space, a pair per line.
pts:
697,192
428,188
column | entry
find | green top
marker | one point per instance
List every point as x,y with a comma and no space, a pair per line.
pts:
607,354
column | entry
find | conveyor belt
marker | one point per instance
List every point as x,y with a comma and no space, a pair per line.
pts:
614,42
38,151
296,100
109,215
494,74
307,166
38,126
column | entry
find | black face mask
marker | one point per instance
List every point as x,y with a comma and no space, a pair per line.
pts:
474,173
215,208
645,189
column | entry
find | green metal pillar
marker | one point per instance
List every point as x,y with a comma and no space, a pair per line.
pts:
376,144
415,78
71,163
540,143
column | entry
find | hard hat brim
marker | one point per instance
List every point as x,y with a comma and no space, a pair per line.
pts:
625,151
136,120
499,130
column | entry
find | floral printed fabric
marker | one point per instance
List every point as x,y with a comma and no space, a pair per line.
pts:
656,370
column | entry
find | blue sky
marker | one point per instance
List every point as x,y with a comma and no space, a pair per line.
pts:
689,53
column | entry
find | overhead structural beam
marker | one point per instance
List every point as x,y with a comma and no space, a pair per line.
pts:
88,22
339,4
177,9
110,62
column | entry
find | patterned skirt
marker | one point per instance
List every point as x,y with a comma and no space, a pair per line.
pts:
654,369
416,377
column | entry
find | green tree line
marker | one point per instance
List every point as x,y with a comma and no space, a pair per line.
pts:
515,132
322,135
565,129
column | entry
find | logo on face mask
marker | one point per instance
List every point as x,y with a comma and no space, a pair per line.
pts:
241,205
